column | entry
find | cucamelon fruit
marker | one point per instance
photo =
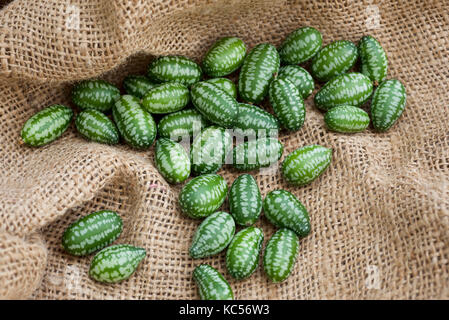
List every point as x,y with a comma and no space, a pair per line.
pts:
181,125
245,201
137,85
224,57
116,263
374,61
300,45
174,69
300,77
253,121
95,94
46,125
211,284
95,126
225,85
256,153
172,160
387,104
305,164
346,119
213,235
92,232
166,98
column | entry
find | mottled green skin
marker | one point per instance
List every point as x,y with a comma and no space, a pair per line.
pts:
253,121
242,256
214,104
300,45
387,104
174,69
92,232
172,160
213,235
211,284
257,71
225,85
284,210
47,125
280,255
347,89
95,126
136,125
300,77
209,149
203,195
166,98
137,85
224,57
116,263
346,119
374,59
95,94
181,125
334,59
245,200
305,164
256,153
287,104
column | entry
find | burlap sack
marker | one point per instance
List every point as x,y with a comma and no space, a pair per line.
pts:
379,213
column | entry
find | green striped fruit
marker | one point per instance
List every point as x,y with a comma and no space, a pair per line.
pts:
284,210
214,104
203,195
116,263
136,125
346,119
245,201
213,235
334,59
92,232
300,45
225,85
373,58
352,89
305,164
302,79
95,126
209,150
388,104
172,160
166,98
47,125
174,69
95,94
211,284
256,153
181,125
224,57
242,256
280,255
137,85
258,69
253,121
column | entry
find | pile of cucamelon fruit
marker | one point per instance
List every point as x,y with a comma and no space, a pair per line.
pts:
171,83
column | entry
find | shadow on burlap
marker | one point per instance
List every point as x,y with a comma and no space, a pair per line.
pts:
379,214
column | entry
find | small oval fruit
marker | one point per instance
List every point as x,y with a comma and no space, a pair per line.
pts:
224,57
346,119
166,98
116,263
387,104
256,153
242,256
137,85
95,94
352,89
213,235
305,164
172,160
211,284
300,45
300,77
46,125
245,200
253,121
334,59
214,104
92,232
95,126
284,210
174,69
287,104
181,125
257,71
280,255
373,58
203,195
225,85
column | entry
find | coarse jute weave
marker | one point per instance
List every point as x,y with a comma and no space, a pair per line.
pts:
380,213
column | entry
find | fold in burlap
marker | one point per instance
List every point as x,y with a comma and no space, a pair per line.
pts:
379,214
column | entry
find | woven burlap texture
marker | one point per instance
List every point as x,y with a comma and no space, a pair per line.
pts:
379,214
